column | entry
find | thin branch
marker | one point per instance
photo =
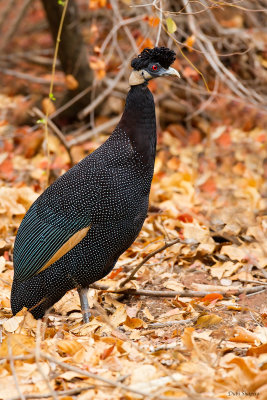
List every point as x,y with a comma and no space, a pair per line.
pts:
162,248
160,24
51,96
209,52
55,130
82,114
59,394
9,7
37,360
28,77
95,131
118,16
13,28
72,101
183,293
117,27
12,367
157,325
254,293
100,378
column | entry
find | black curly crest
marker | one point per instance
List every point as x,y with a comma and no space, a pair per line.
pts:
162,55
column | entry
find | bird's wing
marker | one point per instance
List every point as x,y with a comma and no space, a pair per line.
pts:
39,244
58,220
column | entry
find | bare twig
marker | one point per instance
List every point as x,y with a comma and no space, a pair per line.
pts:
9,6
37,360
100,378
95,131
72,101
15,24
12,367
209,52
82,114
59,394
183,293
254,293
117,27
55,130
160,23
118,16
28,77
167,324
51,87
162,248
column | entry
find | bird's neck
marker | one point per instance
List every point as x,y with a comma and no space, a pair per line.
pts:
139,121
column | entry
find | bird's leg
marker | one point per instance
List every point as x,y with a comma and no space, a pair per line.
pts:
84,304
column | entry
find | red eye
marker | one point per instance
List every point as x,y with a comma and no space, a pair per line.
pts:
154,67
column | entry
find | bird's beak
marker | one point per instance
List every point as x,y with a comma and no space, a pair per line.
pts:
172,72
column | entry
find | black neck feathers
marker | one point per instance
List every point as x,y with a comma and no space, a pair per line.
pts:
139,121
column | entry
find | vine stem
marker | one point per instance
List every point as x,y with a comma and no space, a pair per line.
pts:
51,96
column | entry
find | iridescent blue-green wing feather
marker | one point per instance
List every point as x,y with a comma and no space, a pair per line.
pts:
37,242
53,220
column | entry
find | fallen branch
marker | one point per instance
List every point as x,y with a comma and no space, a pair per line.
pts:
165,246
12,367
100,378
183,293
48,395
166,324
53,394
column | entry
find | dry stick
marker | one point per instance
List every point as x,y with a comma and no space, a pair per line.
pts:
213,59
166,245
207,102
94,376
55,130
160,23
37,360
99,378
82,114
60,393
118,16
89,134
239,100
253,294
166,324
12,367
117,27
9,6
254,281
133,345
182,293
51,96
14,26
28,77
71,102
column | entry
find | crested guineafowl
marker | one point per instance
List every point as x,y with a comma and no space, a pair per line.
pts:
74,233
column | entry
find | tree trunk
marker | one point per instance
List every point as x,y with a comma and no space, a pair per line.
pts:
72,52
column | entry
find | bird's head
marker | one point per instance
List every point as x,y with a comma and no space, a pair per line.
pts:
152,63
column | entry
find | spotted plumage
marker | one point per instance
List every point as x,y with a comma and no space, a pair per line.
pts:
104,199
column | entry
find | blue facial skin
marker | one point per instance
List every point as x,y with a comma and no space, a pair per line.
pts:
155,70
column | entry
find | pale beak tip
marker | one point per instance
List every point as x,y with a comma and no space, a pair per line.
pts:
173,72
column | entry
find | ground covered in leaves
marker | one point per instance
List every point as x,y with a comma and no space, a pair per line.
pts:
196,325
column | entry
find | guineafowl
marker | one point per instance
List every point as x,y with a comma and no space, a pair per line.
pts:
74,233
